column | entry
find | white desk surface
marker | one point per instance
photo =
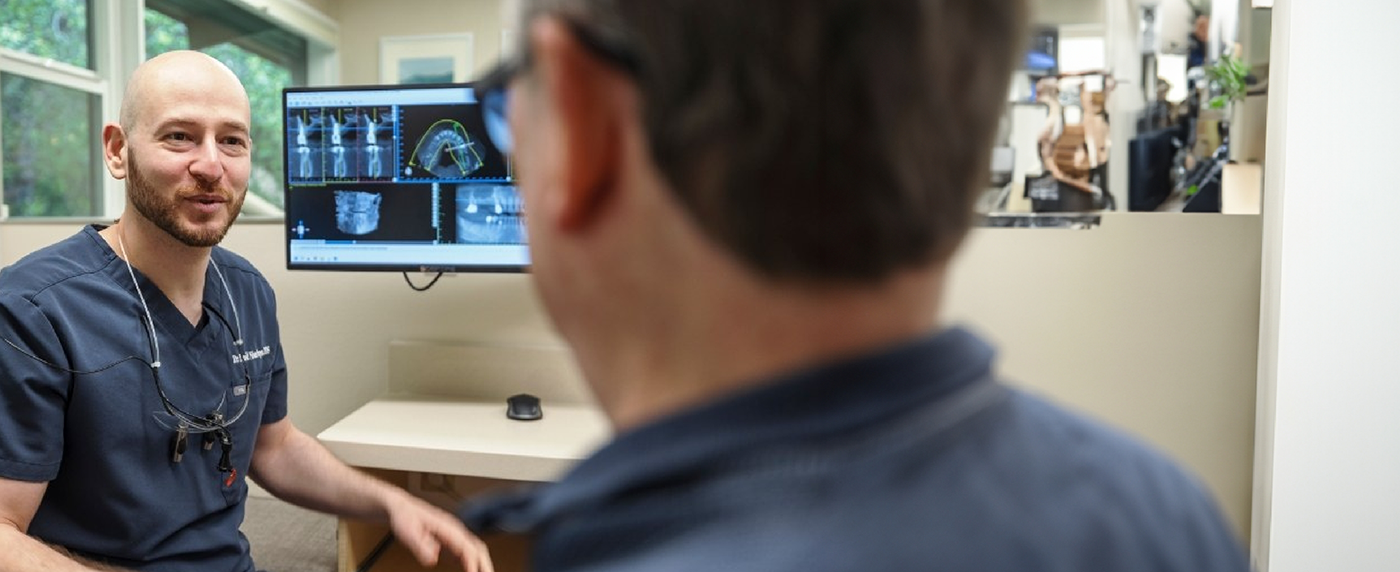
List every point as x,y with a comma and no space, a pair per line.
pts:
457,437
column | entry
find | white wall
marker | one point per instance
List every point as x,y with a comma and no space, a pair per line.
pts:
1067,12
1082,49
364,22
1329,370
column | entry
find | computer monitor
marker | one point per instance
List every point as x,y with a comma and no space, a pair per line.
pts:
398,178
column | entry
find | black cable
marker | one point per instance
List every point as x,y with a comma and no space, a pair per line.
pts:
175,412
378,551
423,289
74,371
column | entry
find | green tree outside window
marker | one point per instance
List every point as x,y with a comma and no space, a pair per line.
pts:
49,137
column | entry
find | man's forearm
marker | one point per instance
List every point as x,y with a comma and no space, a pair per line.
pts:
23,553
303,472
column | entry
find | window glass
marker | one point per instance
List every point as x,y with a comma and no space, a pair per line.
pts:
50,148
54,29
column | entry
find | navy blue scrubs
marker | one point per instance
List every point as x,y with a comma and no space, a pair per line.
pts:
103,440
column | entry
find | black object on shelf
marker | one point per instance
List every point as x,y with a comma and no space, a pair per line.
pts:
1150,157
523,407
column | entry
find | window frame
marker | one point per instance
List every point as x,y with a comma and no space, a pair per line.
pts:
117,42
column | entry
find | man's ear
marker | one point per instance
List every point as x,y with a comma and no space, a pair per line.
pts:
582,91
114,150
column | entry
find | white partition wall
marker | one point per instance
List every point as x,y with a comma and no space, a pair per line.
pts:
1149,323
1328,482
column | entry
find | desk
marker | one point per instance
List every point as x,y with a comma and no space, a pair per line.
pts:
405,438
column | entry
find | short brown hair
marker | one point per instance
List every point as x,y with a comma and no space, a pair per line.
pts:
827,141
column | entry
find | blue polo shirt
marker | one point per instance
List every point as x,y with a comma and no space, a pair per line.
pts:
102,441
912,458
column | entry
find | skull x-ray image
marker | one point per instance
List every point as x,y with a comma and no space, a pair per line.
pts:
489,214
357,212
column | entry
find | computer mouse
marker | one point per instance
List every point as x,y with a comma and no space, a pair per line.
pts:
523,407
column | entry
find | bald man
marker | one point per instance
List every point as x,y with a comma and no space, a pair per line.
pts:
142,380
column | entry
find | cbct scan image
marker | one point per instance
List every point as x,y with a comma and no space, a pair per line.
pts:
489,214
447,143
377,130
341,126
357,212
306,145
448,151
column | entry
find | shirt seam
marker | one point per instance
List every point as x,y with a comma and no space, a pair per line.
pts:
81,273
28,464
31,297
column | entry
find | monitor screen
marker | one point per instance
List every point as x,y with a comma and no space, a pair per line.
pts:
398,178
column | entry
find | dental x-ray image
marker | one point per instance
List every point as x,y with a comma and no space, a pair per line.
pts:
357,212
489,214
447,151
341,123
448,144
377,129
305,147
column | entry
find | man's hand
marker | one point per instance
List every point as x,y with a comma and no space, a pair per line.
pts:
427,530
296,468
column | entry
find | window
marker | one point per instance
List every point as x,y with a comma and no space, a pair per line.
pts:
64,63
50,109
50,29
50,148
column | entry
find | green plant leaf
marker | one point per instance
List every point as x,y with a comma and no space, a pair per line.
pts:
1228,76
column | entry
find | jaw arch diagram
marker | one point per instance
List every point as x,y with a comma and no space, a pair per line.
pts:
447,151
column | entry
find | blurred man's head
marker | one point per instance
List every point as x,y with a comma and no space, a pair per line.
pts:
719,190
835,141
183,146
